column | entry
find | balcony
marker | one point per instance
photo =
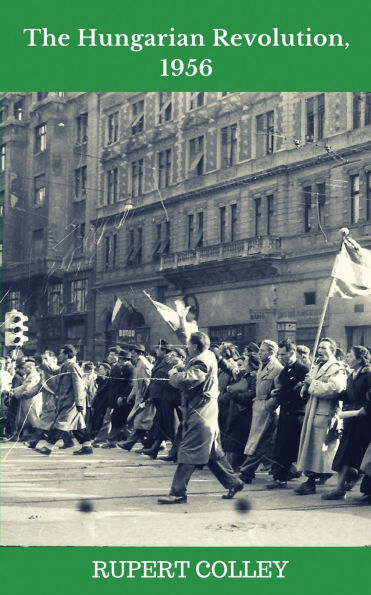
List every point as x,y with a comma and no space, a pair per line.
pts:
262,245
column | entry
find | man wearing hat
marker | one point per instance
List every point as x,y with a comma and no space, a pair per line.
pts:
264,420
100,401
71,400
142,413
164,397
118,399
107,398
29,395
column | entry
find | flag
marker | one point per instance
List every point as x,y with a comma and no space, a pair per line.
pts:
352,270
116,309
168,314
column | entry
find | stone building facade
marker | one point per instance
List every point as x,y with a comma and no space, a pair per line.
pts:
232,201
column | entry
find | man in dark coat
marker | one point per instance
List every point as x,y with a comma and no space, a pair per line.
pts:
290,420
198,383
70,402
120,387
164,396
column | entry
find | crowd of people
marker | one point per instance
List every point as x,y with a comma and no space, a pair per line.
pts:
235,411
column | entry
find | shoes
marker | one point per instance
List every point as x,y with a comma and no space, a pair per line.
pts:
30,444
334,495
363,500
65,446
150,452
245,479
44,450
125,445
305,488
97,444
84,450
167,458
276,484
109,445
233,491
172,500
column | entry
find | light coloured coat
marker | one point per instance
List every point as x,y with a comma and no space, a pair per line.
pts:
317,449
263,418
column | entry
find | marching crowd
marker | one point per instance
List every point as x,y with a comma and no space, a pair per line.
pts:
233,411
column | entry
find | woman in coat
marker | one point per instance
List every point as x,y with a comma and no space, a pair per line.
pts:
238,423
356,434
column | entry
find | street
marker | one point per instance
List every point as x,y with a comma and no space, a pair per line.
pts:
41,497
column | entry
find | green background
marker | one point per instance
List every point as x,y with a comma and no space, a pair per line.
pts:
68,570
235,68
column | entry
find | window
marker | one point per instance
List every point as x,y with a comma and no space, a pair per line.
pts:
137,117
110,260
3,112
113,128
19,110
162,240
354,199
164,168
82,128
165,249
315,117
224,94
200,230
79,294
309,298
135,246
37,244
137,178
196,156
158,242
223,224
79,237
233,222
367,109
307,196
190,231
14,300
39,190
320,204
112,186
40,138
258,216
41,96
356,110
270,213
196,100
265,134
80,182
368,196
164,107
55,298
229,146
3,157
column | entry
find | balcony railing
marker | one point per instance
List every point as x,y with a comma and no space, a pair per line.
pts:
265,245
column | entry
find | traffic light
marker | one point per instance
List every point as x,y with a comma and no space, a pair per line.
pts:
15,329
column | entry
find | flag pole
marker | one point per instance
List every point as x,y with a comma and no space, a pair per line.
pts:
344,233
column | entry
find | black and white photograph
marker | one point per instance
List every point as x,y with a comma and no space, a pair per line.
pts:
185,318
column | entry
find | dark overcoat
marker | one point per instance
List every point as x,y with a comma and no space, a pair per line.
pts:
198,383
356,434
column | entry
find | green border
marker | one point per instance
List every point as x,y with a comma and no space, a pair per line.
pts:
68,570
242,68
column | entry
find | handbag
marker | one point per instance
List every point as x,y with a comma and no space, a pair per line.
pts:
366,462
